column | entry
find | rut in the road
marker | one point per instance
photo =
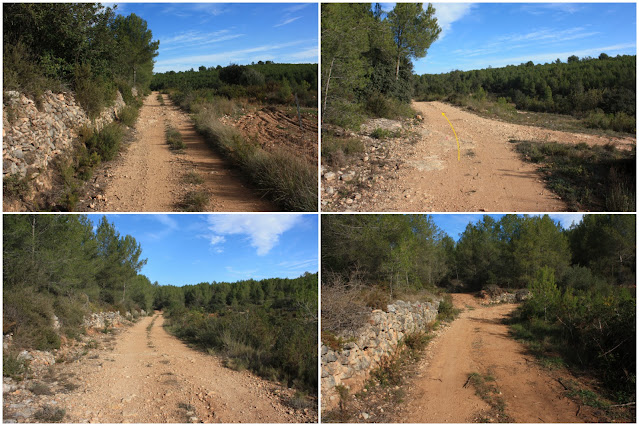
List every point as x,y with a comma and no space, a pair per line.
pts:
478,342
153,377
150,178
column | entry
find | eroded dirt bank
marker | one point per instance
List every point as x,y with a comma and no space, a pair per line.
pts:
478,342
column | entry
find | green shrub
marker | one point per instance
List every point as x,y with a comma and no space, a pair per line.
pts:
345,114
23,73
129,115
106,142
174,139
14,367
92,93
49,414
446,310
285,178
194,201
16,186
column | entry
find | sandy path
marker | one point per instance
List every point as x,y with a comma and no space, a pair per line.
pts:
490,175
478,342
149,178
151,379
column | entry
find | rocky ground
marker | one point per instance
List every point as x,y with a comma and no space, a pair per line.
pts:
415,166
138,373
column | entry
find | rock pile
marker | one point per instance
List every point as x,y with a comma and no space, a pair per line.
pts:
504,296
363,180
351,365
32,136
104,319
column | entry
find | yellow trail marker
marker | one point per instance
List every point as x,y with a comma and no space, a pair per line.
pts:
456,138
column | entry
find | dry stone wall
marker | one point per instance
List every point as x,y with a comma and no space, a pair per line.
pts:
351,366
32,137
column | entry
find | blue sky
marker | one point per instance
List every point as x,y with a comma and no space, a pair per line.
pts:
478,35
455,224
211,34
188,249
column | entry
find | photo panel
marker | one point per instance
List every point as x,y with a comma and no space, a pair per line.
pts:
471,318
146,318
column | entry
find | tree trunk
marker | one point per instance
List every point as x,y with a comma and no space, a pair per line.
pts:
328,80
397,69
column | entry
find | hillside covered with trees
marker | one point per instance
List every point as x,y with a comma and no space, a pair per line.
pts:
85,47
367,59
581,279
60,265
263,81
602,90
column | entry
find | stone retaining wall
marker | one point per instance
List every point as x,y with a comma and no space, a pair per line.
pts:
351,366
32,137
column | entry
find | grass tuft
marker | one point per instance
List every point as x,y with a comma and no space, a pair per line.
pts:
174,139
587,178
194,201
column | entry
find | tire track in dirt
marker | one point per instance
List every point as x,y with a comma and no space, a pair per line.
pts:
149,178
478,341
151,377
490,175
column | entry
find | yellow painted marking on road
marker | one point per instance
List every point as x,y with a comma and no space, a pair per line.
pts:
456,138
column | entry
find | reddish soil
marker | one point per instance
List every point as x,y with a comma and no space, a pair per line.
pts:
148,177
478,342
276,128
422,173
151,377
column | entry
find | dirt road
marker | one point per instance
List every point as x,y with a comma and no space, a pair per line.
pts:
477,342
151,377
490,175
150,178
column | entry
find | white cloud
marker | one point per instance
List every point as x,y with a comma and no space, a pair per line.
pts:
286,22
448,13
217,239
263,230
169,225
273,52
567,219
543,8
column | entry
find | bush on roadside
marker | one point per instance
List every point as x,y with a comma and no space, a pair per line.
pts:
283,177
174,138
92,93
129,115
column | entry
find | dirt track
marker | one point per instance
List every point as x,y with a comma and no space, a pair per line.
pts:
149,178
490,175
154,378
478,342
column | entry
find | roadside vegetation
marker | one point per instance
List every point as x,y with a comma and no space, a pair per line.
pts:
214,95
267,326
581,313
58,265
367,70
367,59
94,54
58,269
598,93
587,178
